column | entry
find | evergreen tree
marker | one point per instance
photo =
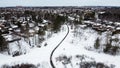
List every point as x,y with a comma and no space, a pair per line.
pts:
3,43
97,44
107,48
57,22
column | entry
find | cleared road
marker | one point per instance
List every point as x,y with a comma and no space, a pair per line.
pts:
51,62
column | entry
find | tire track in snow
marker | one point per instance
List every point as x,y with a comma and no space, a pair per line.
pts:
51,62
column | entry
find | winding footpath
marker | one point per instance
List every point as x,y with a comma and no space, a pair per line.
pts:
51,62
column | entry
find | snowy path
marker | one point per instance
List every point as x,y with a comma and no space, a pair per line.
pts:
51,62
37,55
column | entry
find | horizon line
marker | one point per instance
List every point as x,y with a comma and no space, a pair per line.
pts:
59,6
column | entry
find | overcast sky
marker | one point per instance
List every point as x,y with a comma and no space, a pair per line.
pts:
4,3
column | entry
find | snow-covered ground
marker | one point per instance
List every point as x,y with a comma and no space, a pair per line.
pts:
36,55
76,43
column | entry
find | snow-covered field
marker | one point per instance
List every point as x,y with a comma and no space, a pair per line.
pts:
75,45
36,56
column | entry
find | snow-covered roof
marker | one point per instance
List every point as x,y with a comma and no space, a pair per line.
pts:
42,25
110,22
14,26
98,24
117,23
36,28
110,26
44,21
17,30
101,12
118,28
2,20
83,26
10,29
31,25
8,37
24,21
31,31
23,24
61,14
89,22
71,18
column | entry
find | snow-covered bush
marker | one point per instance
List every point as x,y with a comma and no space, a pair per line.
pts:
20,66
80,61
